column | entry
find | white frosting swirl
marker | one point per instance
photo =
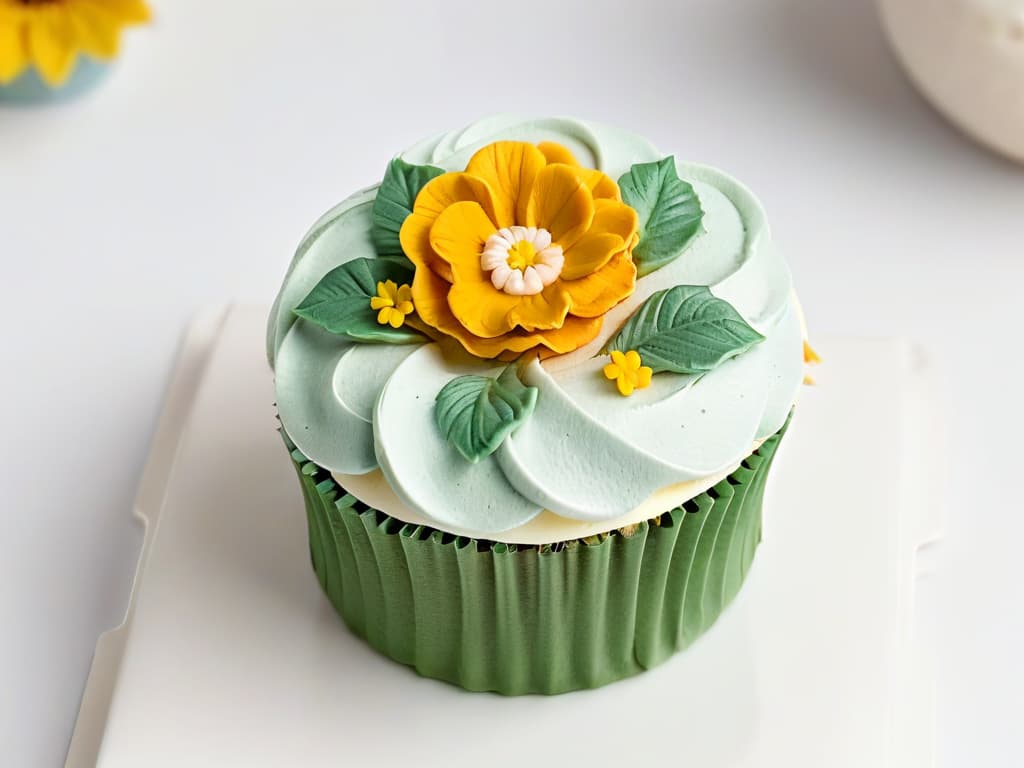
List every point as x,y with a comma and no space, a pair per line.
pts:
586,453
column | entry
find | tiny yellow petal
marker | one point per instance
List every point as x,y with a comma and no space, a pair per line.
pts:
810,356
618,358
625,386
611,371
13,59
633,360
397,318
53,49
643,377
384,315
378,302
405,307
404,293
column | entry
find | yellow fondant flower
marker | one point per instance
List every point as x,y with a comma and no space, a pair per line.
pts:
627,372
394,303
523,250
49,34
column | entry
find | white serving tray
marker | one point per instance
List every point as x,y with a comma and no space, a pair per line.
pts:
231,655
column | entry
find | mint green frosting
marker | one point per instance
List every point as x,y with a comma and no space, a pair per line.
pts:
586,452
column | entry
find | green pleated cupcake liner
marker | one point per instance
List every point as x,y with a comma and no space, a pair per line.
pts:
517,619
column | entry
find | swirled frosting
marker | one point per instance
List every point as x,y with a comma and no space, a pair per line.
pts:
586,454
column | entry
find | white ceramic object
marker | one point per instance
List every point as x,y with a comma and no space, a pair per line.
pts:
967,57
231,655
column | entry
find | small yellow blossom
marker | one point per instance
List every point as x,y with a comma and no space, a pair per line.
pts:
394,302
627,372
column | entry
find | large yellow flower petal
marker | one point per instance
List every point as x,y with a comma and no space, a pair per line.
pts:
482,310
509,168
489,313
13,56
430,296
433,314
615,217
542,311
590,253
51,43
415,239
572,335
595,294
600,184
556,153
561,203
433,199
458,236
450,188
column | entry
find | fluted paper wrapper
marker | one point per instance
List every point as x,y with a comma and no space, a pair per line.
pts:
526,619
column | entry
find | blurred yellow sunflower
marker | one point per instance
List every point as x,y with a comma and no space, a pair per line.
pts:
49,34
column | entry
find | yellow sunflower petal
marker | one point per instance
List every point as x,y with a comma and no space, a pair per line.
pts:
561,203
509,168
458,236
52,47
13,56
590,253
123,11
96,29
596,293
556,153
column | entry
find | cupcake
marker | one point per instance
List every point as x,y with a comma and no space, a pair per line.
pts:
532,383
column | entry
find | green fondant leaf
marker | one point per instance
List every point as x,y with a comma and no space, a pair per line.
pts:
340,302
685,329
475,413
395,198
668,208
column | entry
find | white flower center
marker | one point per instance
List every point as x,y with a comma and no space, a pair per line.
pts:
522,260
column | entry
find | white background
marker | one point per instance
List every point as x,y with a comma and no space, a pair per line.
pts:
188,177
